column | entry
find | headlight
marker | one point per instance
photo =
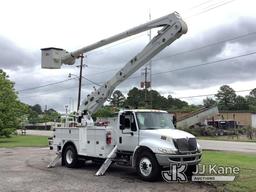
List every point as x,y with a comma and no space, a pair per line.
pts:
166,150
199,147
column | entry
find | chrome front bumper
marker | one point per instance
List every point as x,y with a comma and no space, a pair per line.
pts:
165,160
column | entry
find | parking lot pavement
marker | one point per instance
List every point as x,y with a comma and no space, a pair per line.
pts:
24,169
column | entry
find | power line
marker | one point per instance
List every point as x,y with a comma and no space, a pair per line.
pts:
191,50
203,64
211,94
93,82
210,8
198,65
46,85
55,83
208,45
199,5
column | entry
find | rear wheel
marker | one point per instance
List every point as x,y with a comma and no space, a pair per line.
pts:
147,166
70,157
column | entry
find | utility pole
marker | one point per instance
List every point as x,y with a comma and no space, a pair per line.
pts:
80,81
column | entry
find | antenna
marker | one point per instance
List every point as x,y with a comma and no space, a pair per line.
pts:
147,77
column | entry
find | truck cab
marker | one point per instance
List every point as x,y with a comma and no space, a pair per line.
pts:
152,132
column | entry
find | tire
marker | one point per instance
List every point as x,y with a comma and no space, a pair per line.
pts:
70,157
147,166
190,170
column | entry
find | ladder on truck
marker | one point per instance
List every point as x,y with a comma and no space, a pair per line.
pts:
107,162
197,117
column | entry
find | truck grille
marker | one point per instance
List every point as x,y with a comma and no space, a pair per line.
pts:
185,144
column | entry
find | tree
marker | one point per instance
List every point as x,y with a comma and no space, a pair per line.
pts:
251,100
117,99
11,109
226,97
208,102
176,104
135,98
37,108
105,111
37,116
50,115
241,103
253,93
33,117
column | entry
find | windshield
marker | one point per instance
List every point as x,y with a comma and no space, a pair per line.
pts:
154,120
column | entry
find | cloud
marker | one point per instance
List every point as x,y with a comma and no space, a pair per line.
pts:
241,69
103,64
13,57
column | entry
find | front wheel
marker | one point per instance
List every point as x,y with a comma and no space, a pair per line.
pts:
147,166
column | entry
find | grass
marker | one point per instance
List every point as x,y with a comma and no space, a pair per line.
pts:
24,141
228,138
246,180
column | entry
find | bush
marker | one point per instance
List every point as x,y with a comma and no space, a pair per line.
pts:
7,132
201,130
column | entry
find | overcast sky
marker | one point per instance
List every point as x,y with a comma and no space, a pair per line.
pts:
218,48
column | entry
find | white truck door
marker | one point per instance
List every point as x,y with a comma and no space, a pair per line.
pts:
128,137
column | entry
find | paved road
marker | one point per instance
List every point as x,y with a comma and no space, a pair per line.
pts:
247,147
37,132
24,169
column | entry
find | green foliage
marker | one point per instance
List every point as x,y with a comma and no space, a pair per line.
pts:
201,130
136,99
208,102
105,111
226,98
37,108
35,115
11,109
251,100
117,99
241,103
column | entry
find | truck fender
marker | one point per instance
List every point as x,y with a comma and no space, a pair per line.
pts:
138,151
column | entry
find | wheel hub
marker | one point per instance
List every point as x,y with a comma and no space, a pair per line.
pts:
69,156
145,166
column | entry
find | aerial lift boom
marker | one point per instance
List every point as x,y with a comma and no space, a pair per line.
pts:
172,28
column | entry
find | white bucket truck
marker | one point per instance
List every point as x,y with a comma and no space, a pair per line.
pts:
140,138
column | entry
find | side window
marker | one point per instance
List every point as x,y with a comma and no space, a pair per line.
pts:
129,121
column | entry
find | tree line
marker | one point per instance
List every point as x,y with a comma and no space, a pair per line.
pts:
13,112
227,99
